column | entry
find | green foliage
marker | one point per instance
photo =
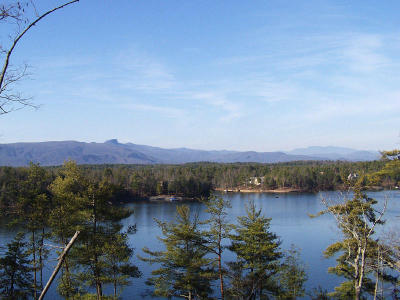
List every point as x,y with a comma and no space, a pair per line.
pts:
218,230
356,218
119,270
15,276
319,294
292,275
184,268
85,205
69,201
198,179
68,215
83,198
389,175
35,206
258,254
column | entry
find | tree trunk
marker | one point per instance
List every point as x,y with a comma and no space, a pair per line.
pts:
94,245
99,290
221,278
59,264
11,293
68,277
376,285
361,274
41,258
357,294
34,265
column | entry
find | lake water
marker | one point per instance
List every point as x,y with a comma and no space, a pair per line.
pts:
290,221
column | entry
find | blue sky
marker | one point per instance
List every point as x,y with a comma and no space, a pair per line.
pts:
239,75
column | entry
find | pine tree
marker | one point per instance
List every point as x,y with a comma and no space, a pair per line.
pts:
184,270
101,228
68,215
292,275
258,254
15,272
357,219
35,207
390,173
84,204
218,230
118,267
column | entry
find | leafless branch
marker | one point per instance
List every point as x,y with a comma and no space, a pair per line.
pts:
11,100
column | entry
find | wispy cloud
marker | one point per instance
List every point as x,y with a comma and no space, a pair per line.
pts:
322,79
141,72
230,109
364,53
164,111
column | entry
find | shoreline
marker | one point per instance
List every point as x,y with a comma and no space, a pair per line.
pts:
175,198
288,190
275,191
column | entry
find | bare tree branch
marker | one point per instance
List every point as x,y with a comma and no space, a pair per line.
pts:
9,77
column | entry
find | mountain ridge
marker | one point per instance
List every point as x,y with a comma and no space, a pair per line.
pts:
113,152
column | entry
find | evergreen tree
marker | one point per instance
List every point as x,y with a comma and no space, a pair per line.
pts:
389,175
356,252
15,271
258,254
85,204
118,267
101,229
184,268
68,215
35,207
292,275
218,230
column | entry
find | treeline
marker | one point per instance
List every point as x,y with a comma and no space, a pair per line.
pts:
197,180
305,176
125,182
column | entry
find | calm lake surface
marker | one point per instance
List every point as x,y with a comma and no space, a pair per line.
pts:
290,221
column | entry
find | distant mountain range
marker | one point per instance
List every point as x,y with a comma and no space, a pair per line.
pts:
113,152
337,153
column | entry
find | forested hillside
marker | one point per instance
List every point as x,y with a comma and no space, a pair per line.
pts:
199,179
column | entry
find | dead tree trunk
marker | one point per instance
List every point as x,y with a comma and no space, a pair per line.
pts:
59,264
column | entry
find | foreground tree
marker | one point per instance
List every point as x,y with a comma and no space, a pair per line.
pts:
117,260
100,234
15,276
357,219
16,13
254,274
184,270
390,257
35,207
68,215
292,275
101,254
219,229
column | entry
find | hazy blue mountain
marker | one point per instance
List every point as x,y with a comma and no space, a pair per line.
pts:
113,152
336,153
55,153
